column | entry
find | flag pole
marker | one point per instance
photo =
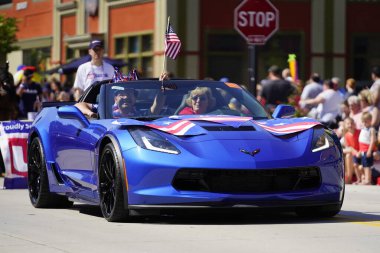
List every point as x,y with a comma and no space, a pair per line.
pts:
166,32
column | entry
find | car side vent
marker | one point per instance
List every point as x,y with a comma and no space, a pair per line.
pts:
56,174
229,128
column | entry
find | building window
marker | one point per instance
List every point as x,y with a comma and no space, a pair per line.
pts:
276,52
38,57
3,2
364,1
137,51
227,55
70,54
366,54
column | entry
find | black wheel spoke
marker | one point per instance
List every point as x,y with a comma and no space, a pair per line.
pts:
106,181
34,171
110,188
107,186
38,182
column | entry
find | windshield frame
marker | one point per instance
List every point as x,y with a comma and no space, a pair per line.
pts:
176,91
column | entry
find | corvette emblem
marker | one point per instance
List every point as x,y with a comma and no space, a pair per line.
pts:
252,153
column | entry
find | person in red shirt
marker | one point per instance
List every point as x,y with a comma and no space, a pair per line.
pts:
351,150
200,101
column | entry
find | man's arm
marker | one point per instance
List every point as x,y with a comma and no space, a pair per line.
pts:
158,103
160,98
86,109
314,101
20,90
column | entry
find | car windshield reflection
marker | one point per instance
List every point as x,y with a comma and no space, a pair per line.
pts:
149,100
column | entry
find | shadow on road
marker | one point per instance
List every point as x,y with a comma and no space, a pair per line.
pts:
218,217
88,209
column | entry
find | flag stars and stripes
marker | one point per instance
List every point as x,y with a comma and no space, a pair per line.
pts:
172,43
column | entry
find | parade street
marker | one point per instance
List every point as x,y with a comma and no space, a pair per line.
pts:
81,228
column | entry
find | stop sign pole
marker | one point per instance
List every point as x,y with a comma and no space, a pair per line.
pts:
256,21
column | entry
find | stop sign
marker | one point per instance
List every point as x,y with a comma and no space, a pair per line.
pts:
256,20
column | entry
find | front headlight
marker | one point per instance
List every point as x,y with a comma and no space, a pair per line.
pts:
321,140
150,140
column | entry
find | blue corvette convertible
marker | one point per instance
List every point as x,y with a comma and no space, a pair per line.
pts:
151,147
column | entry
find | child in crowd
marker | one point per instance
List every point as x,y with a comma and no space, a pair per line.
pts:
351,149
367,145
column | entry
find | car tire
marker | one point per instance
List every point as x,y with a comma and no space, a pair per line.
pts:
110,185
38,183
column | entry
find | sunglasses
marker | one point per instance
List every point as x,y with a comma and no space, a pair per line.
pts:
96,49
201,98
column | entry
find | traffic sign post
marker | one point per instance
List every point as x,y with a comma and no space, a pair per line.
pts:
256,21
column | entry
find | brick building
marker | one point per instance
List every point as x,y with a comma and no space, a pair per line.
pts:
333,37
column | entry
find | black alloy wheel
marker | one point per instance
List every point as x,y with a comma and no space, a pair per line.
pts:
110,186
38,184
34,171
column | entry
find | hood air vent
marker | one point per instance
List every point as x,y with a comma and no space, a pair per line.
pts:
229,128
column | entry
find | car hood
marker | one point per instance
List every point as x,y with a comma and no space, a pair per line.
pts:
194,125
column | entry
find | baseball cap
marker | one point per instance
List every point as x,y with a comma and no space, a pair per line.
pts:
95,43
124,91
28,73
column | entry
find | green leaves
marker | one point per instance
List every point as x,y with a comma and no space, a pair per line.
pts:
8,30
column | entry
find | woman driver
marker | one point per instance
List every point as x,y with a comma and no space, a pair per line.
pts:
200,101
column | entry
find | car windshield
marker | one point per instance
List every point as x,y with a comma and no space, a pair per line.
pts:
154,99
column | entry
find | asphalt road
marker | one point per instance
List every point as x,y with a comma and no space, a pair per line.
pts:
82,229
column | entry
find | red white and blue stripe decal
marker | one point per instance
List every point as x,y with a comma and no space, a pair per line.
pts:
180,128
288,126
185,125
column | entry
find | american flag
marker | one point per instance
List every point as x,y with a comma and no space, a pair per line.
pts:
132,75
118,76
172,43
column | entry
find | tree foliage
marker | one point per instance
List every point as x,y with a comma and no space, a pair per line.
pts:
8,29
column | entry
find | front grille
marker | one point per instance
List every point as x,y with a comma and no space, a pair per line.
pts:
247,181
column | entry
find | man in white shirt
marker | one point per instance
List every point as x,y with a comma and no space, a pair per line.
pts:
311,90
92,71
328,102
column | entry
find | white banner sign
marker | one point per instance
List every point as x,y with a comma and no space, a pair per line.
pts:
13,146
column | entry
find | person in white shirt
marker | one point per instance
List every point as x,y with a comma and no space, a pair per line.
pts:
328,102
92,71
310,91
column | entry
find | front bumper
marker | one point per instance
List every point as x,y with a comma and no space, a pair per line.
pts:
150,183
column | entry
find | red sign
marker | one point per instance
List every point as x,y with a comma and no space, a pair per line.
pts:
256,20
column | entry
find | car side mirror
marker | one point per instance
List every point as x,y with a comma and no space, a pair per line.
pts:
72,112
283,111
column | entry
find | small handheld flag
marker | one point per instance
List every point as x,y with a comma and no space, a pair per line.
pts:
132,75
118,76
172,43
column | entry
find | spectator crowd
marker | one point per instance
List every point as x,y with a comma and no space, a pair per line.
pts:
351,111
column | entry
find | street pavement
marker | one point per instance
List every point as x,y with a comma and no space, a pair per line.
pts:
82,229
